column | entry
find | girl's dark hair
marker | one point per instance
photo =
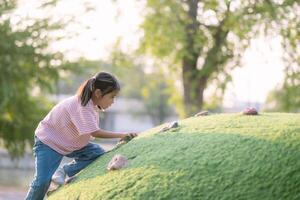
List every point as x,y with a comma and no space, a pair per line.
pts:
104,81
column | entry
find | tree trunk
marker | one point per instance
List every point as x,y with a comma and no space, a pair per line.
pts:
192,85
195,80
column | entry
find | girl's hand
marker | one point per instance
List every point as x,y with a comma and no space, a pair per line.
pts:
127,137
131,135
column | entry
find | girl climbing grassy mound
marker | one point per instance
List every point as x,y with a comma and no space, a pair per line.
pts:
67,131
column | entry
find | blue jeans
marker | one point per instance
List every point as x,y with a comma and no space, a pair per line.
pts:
47,161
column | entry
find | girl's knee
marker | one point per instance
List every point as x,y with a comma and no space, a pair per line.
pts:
99,152
91,152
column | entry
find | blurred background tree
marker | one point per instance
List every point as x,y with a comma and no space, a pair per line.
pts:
204,40
28,70
286,97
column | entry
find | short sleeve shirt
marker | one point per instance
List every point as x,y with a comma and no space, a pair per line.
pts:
68,126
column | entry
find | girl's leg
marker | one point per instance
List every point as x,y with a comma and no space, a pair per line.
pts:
46,162
82,158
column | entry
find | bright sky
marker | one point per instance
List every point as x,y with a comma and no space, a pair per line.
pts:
106,25
262,65
262,70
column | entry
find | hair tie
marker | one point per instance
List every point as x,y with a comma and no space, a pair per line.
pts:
92,81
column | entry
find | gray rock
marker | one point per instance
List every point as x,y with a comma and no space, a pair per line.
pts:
117,162
202,113
250,111
170,126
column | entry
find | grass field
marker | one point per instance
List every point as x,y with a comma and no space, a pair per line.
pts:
223,156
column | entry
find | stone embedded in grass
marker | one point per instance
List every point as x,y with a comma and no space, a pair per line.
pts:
202,113
117,162
174,124
250,111
170,126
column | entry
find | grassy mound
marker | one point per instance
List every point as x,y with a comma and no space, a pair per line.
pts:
224,156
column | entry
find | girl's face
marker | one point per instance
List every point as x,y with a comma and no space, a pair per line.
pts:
105,101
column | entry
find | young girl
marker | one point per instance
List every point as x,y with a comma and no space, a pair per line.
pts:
67,130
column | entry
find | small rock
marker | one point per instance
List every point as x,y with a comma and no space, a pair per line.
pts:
173,124
169,126
250,111
202,113
117,162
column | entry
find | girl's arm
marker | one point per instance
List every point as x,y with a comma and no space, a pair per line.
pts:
108,134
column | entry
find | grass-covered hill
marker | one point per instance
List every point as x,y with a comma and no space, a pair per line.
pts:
224,156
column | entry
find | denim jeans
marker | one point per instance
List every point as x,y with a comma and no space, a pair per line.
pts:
47,161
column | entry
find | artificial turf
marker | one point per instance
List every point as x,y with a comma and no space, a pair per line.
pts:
222,156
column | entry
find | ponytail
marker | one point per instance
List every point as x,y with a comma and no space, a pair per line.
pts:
104,81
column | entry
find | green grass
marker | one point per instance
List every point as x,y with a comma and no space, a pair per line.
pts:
223,157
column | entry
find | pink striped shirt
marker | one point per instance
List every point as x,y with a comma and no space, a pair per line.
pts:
68,126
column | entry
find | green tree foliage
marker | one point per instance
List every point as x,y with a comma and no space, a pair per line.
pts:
204,40
155,95
27,71
286,97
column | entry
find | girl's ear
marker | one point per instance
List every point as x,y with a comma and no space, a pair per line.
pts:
98,93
